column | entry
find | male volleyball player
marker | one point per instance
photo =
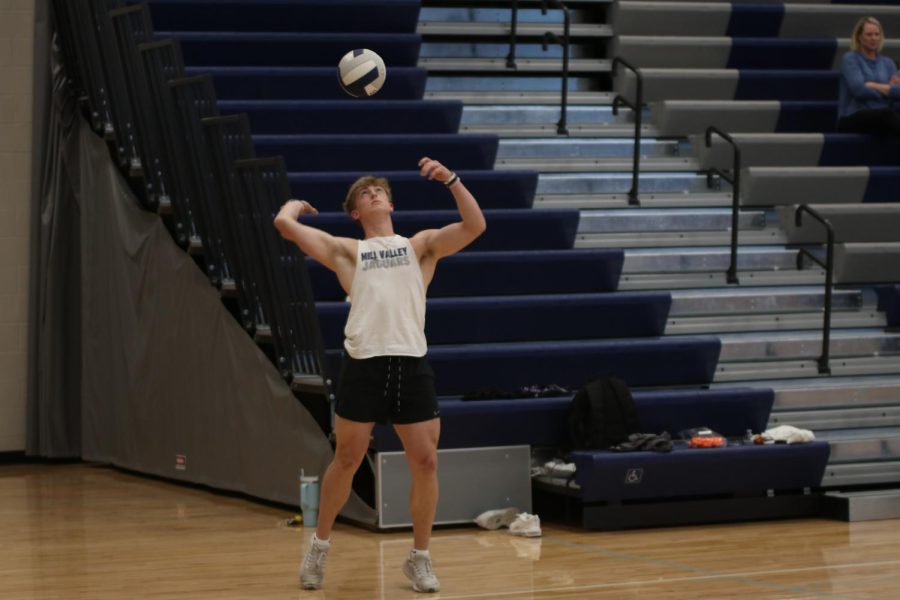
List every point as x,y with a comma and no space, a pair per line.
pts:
385,375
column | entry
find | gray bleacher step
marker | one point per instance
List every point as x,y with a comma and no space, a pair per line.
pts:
580,148
229,287
475,29
717,279
465,47
577,154
862,444
523,65
760,149
759,300
572,3
770,322
839,418
673,52
621,200
514,82
687,200
672,239
542,120
610,189
651,184
537,114
864,473
302,382
572,165
798,345
685,260
551,130
870,505
263,334
686,117
856,262
680,84
780,186
798,369
526,14
665,220
517,96
830,392
852,223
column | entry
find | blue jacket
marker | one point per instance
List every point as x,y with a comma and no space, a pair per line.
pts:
856,70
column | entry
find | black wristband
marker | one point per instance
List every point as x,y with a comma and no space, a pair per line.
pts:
453,179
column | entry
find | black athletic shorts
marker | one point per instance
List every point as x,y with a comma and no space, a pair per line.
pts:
399,389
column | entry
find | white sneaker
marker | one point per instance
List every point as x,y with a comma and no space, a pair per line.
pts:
418,570
495,519
312,571
526,525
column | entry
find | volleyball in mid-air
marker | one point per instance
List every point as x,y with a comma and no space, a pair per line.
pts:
361,73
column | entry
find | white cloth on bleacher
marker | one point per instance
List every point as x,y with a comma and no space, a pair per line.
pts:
789,434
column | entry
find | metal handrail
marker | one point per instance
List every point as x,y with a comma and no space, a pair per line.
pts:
549,36
735,181
637,109
511,56
824,368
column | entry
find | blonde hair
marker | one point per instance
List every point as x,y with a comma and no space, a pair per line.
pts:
360,184
858,29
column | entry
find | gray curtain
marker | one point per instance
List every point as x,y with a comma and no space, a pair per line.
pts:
53,410
137,362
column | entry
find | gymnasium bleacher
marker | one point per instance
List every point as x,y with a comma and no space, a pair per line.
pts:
571,281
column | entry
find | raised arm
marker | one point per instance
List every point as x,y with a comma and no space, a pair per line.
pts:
454,237
336,253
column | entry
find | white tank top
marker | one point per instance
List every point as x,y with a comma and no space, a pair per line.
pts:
387,301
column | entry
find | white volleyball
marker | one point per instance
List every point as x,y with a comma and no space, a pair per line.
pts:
361,73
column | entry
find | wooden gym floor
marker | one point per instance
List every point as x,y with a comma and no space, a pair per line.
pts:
82,531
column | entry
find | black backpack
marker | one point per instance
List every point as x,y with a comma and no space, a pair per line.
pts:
602,414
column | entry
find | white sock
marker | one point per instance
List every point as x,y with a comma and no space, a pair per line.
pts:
419,553
321,544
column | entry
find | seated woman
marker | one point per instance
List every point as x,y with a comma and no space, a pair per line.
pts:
869,84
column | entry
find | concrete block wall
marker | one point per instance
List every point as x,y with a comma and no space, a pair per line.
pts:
16,64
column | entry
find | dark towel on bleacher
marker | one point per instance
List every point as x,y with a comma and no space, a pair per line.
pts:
645,441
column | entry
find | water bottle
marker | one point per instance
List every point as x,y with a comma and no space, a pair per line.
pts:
309,499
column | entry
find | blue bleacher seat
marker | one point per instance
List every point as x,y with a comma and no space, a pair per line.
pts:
847,149
770,84
755,20
397,16
411,191
291,49
378,152
882,185
512,318
779,53
296,83
735,469
889,302
543,421
464,368
807,117
348,116
507,229
487,273
603,476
